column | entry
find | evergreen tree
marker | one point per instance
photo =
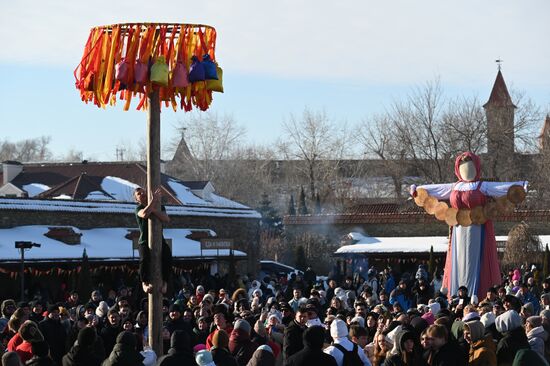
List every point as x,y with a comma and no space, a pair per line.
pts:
291,207
270,216
318,208
300,261
302,208
545,263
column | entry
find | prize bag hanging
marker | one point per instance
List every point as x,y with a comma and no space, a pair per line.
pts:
159,71
180,79
210,72
196,71
216,84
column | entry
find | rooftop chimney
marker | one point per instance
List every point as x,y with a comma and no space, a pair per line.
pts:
10,170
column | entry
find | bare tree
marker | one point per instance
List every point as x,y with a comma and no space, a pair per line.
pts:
316,142
27,150
522,247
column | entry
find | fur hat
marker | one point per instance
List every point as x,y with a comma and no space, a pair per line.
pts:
29,332
102,309
338,329
209,298
242,325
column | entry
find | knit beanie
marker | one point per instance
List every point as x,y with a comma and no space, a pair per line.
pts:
508,321
204,358
338,329
535,321
242,325
86,337
220,339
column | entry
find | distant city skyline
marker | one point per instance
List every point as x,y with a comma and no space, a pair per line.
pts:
351,59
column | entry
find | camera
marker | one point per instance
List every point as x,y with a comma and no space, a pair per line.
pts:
26,244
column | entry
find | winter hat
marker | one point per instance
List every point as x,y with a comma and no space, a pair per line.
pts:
175,308
11,359
338,329
476,328
429,318
180,341
5,304
508,321
40,348
86,337
473,315
209,298
29,332
200,288
242,325
204,358
265,347
545,314
314,337
276,315
435,307
220,339
488,319
535,321
528,307
52,308
359,320
127,338
199,347
102,309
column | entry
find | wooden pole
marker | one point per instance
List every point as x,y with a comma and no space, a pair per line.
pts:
155,226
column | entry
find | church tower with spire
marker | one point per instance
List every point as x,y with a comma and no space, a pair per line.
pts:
500,111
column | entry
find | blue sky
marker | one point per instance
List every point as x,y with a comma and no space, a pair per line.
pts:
349,58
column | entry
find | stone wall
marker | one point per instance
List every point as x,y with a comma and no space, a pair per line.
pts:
244,231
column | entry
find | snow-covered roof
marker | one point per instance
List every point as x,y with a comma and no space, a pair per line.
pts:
119,207
100,244
419,244
416,244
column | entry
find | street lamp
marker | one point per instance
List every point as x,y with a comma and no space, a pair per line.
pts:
22,245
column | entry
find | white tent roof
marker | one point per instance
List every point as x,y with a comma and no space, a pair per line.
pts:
104,244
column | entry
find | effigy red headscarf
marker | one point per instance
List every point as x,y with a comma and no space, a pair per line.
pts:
475,159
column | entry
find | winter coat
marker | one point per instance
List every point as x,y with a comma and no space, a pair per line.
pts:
447,356
482,353
40,361
400,296
82,356
241,347
262,357
528,357
537,338
292,342
312,353
510,344
222,357
109,335
180,352
55,334
24,350
124,352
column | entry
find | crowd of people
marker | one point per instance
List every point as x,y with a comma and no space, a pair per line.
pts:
381,318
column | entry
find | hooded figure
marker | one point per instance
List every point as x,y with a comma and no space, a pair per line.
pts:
536,335
240,345
312,353
475,244
83,353
125,352
220,349
263,356
41,352
405,353
180,352
341,344
30,334
509,324
482,349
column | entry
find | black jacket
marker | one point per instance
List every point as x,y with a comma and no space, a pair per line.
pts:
312,353
82,356
448,355
124,353
180,352
292,342
510,344
109,334
54,333
40,361
222,357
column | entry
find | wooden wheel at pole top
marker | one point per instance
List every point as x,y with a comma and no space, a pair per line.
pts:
130,60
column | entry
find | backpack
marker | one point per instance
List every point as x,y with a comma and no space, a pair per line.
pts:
351,358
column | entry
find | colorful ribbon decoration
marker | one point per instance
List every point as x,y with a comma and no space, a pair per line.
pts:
117,59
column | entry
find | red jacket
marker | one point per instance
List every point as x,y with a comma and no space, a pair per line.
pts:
209,344
15,341
24,351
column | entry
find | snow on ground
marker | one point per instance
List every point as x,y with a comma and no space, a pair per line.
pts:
120,189
105,244
34,189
